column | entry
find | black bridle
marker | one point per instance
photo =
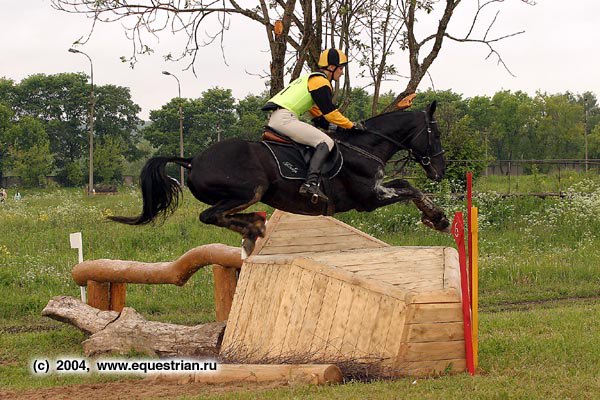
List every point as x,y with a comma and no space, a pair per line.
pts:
424,160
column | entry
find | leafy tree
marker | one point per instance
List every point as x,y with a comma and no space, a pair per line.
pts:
460,137
60,102
34,164
163,132
6,116
594,143
73,173
480,110
513,118
359,105
206,120
109,159
251,119
451,107
116,117
217,116
7,91
560,131
31,151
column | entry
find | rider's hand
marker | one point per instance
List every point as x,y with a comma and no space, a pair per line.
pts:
359,125
332,129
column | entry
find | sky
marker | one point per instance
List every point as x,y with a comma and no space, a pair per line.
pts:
558,52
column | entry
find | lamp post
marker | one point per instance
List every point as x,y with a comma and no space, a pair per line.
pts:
90,123
181,182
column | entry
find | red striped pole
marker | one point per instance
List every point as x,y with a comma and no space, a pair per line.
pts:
458,231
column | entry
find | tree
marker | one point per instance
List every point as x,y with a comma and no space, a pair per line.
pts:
462,141
304,27
60,102
116,118
31,151
6,116
379,29
217,116
513,119
560,131
594,143
7,91
481,113
109,159
251,119
206,120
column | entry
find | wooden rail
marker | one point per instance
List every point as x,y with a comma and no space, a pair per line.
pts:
106,279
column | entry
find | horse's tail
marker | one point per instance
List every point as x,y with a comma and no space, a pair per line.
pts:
160,192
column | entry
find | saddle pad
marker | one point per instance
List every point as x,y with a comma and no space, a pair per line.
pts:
292,161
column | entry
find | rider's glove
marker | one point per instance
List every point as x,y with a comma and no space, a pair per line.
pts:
320,122
332,128
359,125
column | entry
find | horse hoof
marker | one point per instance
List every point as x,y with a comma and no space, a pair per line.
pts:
427,223
443,226
247,247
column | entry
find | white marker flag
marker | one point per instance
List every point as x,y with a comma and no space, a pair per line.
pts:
77,243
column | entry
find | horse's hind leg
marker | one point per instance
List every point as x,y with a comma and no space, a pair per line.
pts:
225,214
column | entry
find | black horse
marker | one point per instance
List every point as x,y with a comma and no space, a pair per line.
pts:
233,174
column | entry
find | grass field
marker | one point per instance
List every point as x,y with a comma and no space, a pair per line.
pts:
539,290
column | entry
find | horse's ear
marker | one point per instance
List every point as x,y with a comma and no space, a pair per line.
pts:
431,108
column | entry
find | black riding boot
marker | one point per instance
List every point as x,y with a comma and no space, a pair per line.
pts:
310,187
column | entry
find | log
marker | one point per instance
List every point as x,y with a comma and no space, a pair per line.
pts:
225,283
121,333
176,272
317,374
72,311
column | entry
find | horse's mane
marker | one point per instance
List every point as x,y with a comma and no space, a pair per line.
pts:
373,121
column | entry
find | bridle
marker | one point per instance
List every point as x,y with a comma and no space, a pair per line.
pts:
424,160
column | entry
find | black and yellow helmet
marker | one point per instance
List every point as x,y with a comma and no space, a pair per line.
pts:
332,57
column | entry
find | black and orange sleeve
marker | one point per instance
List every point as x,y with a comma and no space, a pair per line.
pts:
320,90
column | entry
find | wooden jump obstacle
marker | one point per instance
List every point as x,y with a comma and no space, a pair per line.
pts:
316,290
106,279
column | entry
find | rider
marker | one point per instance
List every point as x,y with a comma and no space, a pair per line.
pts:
312,92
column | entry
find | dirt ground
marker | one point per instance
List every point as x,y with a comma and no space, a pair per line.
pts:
130,389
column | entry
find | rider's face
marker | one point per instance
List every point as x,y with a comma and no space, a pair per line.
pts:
337,73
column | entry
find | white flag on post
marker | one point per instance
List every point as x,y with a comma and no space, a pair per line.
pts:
77,243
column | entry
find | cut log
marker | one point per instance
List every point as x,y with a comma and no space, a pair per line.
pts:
225,279
121,333
316,374
72,311
176,272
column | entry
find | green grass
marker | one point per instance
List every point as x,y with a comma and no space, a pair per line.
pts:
547,353
531,250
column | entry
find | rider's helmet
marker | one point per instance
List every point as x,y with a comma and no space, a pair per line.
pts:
333,57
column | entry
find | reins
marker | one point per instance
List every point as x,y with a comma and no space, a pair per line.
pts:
423,160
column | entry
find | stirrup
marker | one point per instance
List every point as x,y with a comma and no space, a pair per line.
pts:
313,191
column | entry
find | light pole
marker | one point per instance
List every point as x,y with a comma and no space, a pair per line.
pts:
90,123
181,182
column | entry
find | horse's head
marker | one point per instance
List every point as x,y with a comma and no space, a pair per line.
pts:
415,131
426,146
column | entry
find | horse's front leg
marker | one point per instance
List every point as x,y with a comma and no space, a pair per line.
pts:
432,215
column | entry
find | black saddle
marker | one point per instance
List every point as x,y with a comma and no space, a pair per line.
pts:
292,158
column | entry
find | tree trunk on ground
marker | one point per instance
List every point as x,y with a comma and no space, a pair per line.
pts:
121,333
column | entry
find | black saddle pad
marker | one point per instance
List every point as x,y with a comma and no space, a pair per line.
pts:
292,160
